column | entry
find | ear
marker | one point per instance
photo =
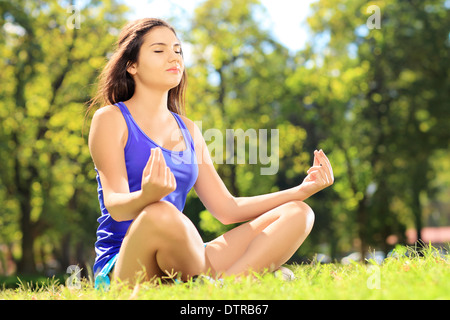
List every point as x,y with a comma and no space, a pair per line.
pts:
131,69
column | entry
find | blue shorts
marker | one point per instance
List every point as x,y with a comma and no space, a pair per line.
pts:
102,280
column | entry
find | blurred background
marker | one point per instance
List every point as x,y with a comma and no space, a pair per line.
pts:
366,81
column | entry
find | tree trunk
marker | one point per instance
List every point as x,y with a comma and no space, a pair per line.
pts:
26,263
417,212
362,226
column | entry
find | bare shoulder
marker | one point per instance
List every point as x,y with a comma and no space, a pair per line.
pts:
107,113
108,117
192,127
187,121
108,121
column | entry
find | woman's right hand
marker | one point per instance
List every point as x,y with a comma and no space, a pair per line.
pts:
157,178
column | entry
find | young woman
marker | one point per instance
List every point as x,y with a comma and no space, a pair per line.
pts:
148,156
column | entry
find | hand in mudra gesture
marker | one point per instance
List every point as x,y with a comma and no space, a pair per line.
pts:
320,175
157,179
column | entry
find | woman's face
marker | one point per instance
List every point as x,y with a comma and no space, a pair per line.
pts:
159,64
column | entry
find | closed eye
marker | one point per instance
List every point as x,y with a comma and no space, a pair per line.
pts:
177,52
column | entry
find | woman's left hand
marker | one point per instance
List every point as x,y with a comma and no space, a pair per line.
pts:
320,175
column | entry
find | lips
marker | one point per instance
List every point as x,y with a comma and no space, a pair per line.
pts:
174,70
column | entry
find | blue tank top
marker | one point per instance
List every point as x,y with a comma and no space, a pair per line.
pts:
183,164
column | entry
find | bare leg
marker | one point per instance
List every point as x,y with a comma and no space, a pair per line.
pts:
160,240
265,242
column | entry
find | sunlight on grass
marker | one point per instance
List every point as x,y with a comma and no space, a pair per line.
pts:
406,274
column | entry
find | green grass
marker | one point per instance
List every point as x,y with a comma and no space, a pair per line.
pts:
406,275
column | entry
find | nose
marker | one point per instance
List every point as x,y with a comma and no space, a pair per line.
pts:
175,57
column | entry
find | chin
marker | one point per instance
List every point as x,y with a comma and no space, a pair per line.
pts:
173,84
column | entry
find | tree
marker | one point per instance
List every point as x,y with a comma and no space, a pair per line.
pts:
51,54
379,98
236,88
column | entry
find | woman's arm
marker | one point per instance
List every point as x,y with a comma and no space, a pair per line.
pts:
229,209
320,176
107,138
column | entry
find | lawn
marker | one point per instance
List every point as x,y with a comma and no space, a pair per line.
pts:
404,275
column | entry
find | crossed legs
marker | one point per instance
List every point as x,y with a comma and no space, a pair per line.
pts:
266,242
162,239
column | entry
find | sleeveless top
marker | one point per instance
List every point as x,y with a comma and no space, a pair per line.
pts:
183,164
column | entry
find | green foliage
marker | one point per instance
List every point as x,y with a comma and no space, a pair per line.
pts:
376,104
246,69
210,226
49,63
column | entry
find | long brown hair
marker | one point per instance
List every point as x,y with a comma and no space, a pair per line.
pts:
116,84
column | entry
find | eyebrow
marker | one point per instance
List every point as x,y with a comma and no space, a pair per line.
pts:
164,44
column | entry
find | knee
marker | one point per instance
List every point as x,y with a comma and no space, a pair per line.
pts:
302,214
162,218
172,230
